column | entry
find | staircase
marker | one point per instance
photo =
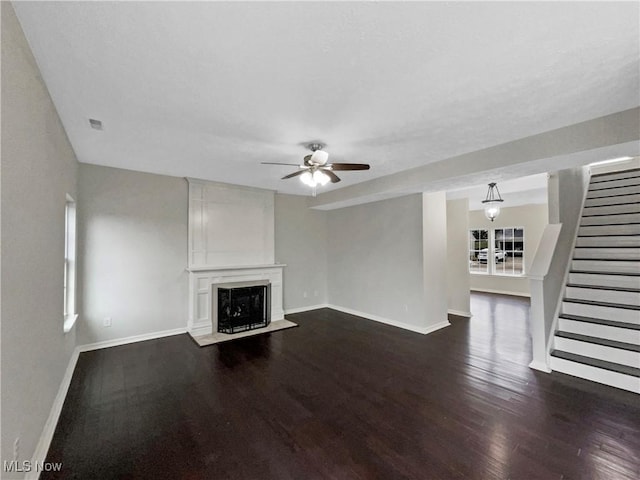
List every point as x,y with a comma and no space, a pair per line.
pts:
598,333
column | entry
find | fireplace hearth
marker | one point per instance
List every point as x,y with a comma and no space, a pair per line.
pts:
242,306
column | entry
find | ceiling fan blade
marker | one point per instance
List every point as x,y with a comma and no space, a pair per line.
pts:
334,178
276,163
295,174
349,166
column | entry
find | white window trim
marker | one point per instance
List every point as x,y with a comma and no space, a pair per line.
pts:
69,281
491,266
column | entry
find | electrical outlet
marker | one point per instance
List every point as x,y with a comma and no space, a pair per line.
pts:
406,308
107,322
305,294
16,448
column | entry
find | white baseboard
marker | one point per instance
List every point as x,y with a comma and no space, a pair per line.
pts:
501,292
289,311
40,453
394,323
543,367
459,313
200,329
132,339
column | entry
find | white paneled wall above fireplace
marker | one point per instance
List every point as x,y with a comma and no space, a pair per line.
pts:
230,225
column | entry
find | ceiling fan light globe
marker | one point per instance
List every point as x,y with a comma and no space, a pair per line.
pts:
320,177
307,179
319,157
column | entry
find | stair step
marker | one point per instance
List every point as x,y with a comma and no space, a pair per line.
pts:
611,252
573,366
600,321
629,266
609,241
613,182
605,310
618,174
597,327
610,219
599,341
631,207
597,348
613,191
612,200
616,229
605,279
614,367
608,373
598,293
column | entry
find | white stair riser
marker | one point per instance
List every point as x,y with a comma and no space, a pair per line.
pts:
621,281
601,352
604,313
622,182
620,241
612,209
598,295
601,331
614,191
606,266
600,375
597,202
604,252
611,219
595,230
607,252
615,175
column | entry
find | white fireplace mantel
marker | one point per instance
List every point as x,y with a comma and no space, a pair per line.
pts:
202,278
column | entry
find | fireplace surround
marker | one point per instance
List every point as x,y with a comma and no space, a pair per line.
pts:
201,286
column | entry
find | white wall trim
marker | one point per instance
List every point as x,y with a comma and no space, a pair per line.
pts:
501,292
133,339
42,448
394,323
201,328
290,311
540,366
460,313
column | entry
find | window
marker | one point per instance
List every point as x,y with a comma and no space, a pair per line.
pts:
505,246
478,243
69,282
510,241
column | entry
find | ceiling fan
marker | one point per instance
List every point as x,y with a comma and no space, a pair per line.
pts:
316,171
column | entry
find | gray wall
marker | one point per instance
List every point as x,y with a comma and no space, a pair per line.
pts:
38,169
133,251
567,190
458,281
301,243
375,259
534,218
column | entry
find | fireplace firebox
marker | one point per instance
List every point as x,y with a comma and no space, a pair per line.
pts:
242,306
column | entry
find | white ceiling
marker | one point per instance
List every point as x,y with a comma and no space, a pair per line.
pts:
209,90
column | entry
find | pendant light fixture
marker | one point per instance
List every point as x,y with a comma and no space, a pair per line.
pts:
492,202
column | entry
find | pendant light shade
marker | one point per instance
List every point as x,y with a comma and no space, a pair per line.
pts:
492,202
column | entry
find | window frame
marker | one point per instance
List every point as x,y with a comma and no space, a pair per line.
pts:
69,275
492,267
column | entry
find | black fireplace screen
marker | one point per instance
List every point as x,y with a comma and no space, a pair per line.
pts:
243,308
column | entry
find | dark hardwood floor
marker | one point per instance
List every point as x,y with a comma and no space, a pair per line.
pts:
343,397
